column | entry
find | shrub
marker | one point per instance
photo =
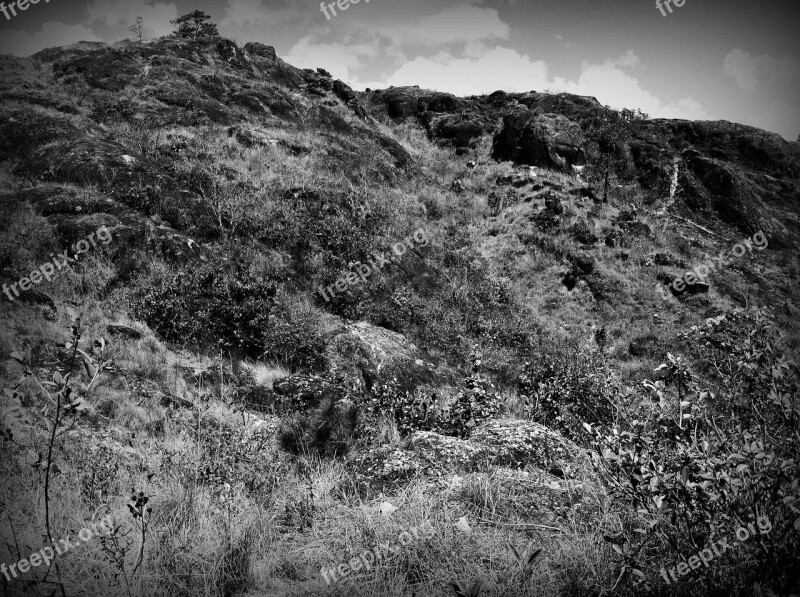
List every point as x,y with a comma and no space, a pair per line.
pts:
707,455
293,339
218,304
411,411
566,388
476,403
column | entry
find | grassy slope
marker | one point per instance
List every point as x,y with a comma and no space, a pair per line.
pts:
271,529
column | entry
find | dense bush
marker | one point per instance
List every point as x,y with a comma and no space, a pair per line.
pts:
216,304
709,454
476,403
294,340
565,388
410,411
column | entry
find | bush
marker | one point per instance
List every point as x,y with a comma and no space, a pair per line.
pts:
410,411
218,304
705,456
294,340
566,388
476,403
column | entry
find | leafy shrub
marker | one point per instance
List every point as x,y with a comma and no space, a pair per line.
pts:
293,339
218,304
709,454
411,411
568,387
476,403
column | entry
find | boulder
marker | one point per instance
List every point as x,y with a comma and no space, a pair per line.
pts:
519,443
547,140
343,91
363,355
451,453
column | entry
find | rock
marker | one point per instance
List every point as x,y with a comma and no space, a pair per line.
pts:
450,453
548,140
519,443
362,355
251,137
261,50
472,164
664,259
343,91
124,330
387,464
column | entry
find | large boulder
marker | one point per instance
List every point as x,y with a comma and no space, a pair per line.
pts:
363,355
547,140
520,443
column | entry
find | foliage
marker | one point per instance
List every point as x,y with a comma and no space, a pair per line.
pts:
217,304
568,387
476,403
411,411
295,341
194,24
708,454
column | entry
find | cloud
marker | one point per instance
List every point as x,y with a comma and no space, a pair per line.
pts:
458,24
751,71
506,69
52,34
340,59
618,89
111,18
493,70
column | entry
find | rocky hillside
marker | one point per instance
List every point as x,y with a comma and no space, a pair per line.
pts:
325,316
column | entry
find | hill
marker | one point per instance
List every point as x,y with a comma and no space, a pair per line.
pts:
316,318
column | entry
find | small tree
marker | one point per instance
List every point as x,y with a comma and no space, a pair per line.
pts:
194,24
137,29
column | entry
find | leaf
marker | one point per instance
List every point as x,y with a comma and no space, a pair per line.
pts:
57,378
616,548
797,524
18,357
534,555
514,551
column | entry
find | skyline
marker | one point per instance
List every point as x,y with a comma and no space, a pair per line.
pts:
701,61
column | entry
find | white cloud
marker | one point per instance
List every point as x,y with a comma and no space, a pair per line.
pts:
751,71
52,34
494,70
118,15
340,59
506,69
611,86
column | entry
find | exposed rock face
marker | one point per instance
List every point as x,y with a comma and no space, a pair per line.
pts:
548,140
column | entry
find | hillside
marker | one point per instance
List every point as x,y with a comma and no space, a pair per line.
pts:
316,318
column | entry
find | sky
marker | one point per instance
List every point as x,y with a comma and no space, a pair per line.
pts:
736,60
